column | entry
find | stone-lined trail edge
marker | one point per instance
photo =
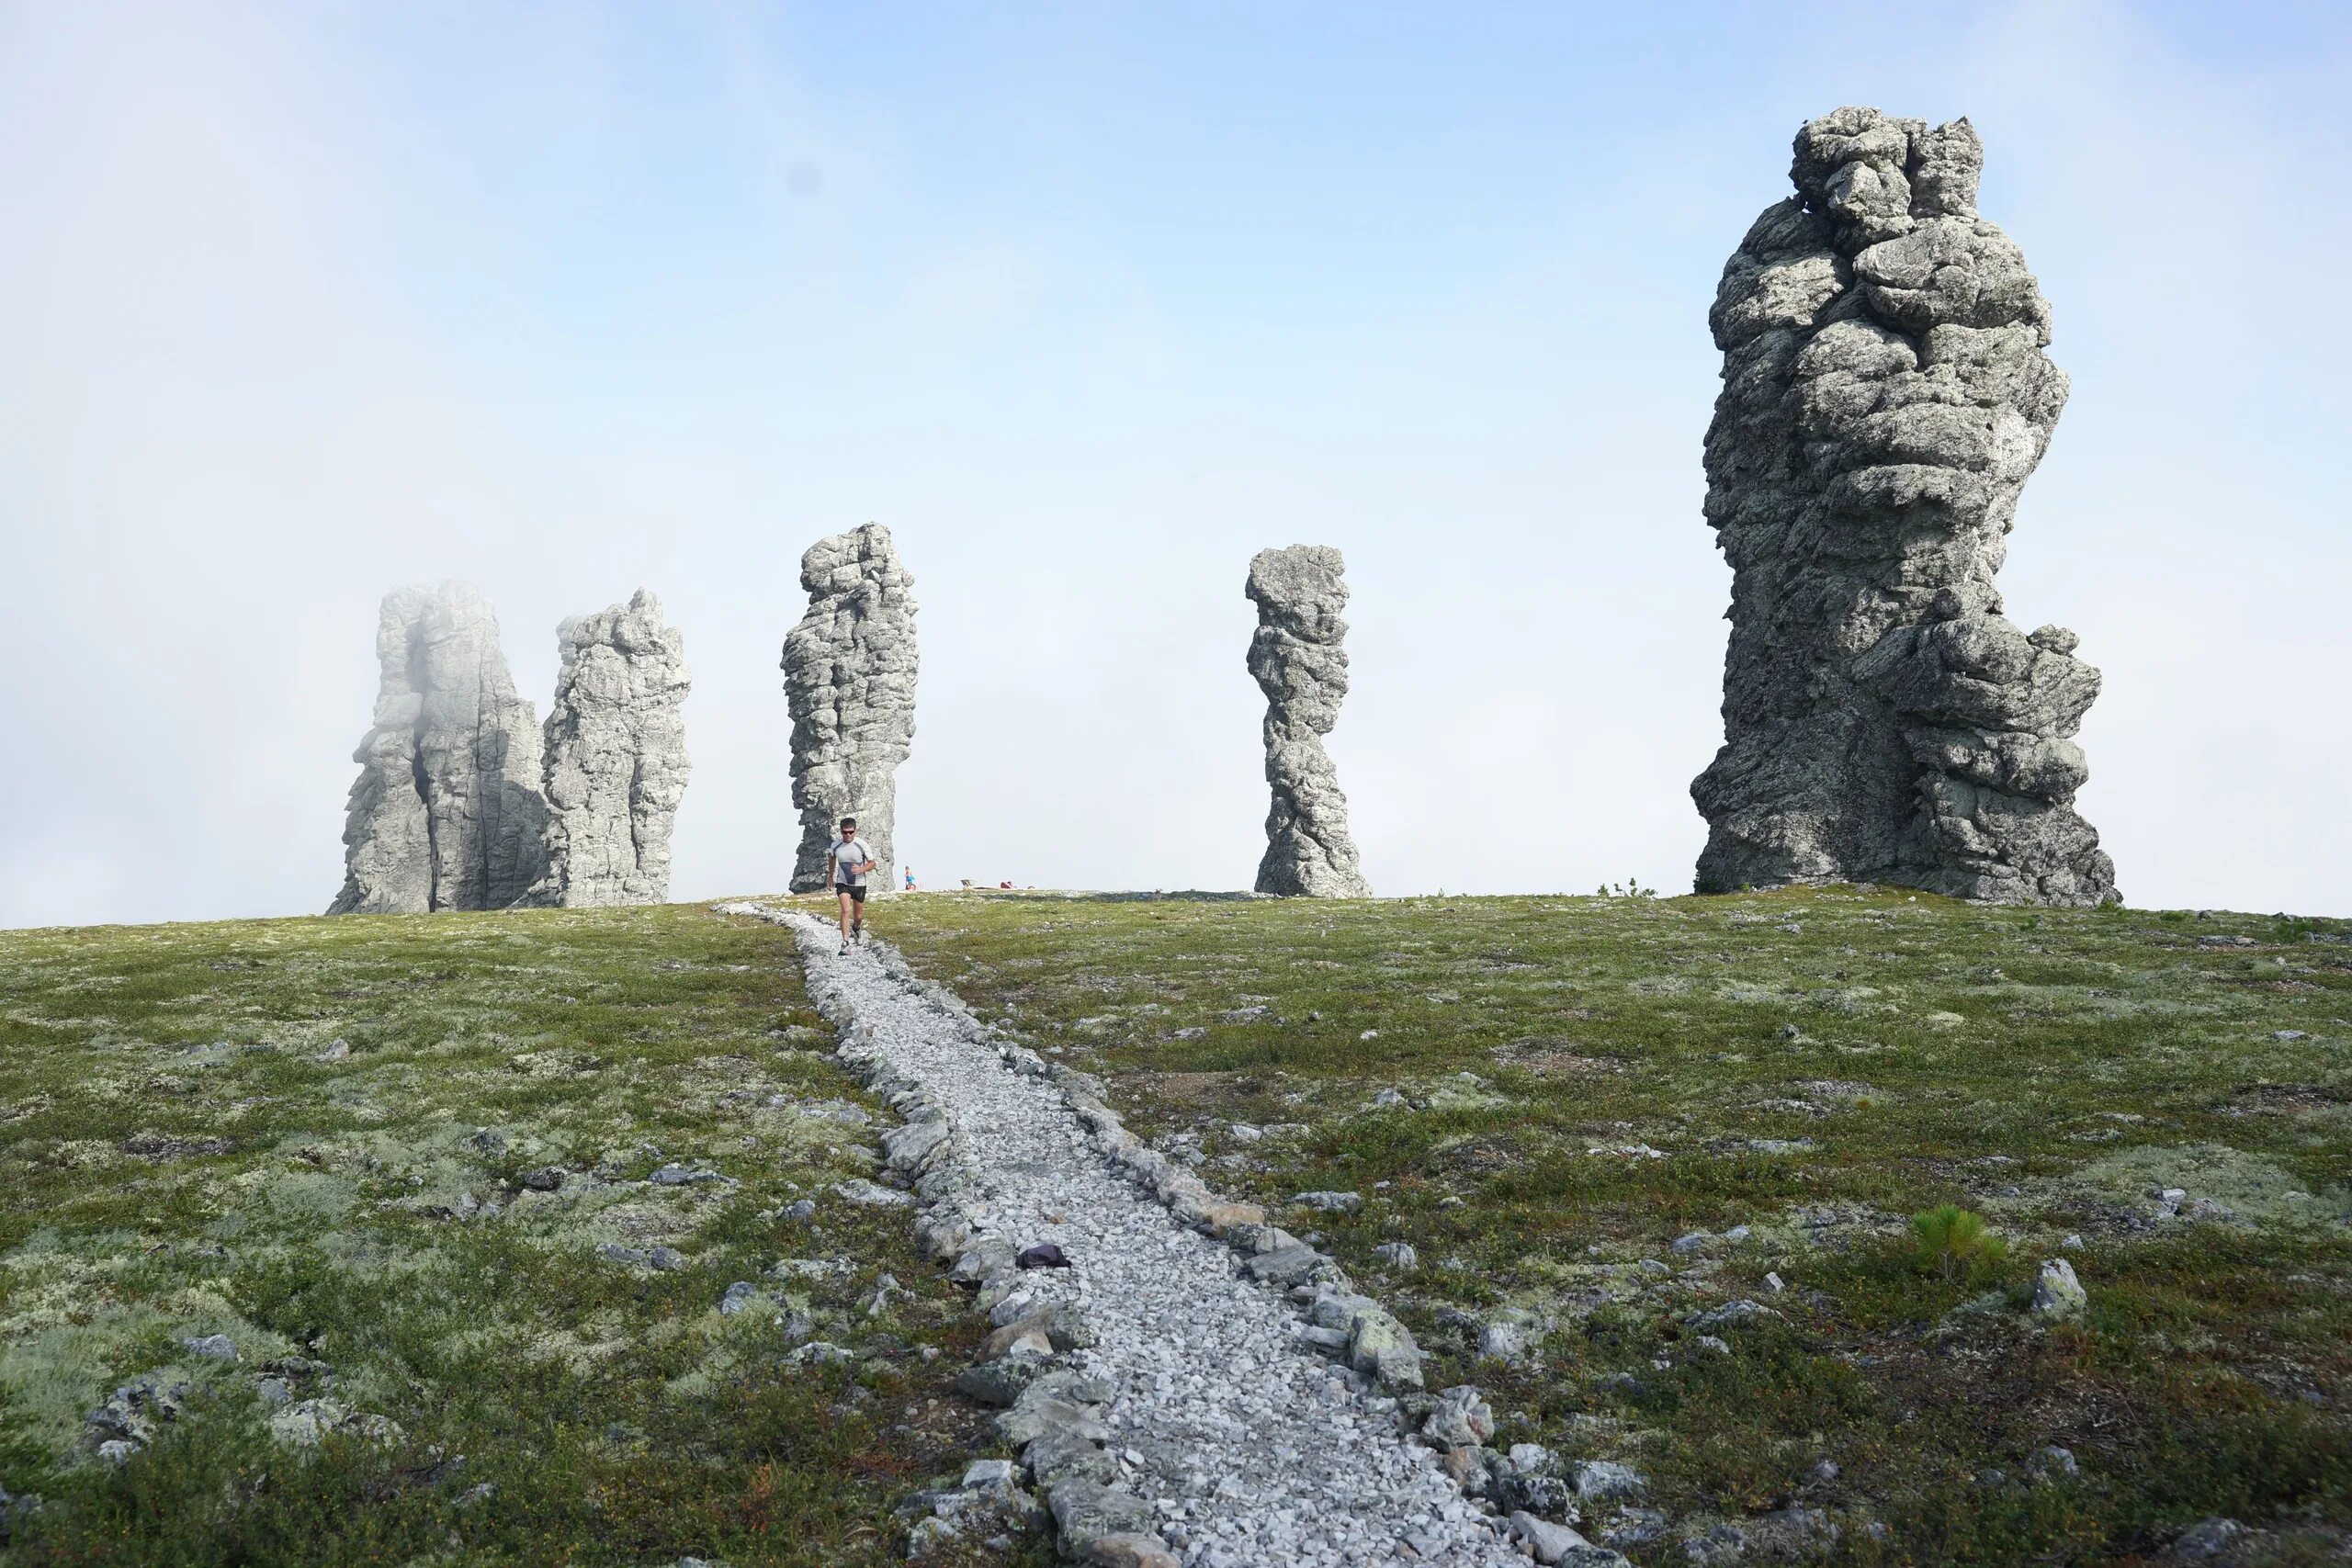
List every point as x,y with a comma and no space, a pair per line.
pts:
1172,1406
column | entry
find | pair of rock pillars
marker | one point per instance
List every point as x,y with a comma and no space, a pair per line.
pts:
464,802
850,666
1885,397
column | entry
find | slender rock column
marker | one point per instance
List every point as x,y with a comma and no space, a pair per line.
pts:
616,745
1885,397
1296,658
447,812
849,678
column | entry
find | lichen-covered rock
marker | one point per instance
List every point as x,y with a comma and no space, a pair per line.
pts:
616,745
1885,397
849,678
447,812
1297,660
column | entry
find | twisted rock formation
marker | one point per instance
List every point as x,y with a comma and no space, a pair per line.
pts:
849,678
1885,397
1297,662
447,812
616,758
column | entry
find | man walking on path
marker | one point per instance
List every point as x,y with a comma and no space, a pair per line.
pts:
851,861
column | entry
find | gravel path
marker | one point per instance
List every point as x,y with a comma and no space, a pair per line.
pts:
1250,1447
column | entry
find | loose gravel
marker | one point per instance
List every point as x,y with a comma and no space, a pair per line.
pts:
1250,1446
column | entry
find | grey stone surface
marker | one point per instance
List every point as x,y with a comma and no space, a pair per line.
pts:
447,812
1296,658
849,677
1885,397
615,751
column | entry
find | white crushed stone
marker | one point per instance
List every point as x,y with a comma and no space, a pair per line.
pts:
1251,1448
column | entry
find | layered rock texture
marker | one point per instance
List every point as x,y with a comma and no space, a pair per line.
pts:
616,746
849,678
447,812
1297,660
1885,397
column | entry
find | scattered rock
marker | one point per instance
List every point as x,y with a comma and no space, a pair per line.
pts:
682,1176
2057,1293
1601,1480
1740,1313
1506,1336
2207,1541
1086,1512
1398,1255
1634,1527
1328,1202
1551,1543
1718,1543
872,1194
212,1346
2054,1463
988,1474
1460,1417
1128,1549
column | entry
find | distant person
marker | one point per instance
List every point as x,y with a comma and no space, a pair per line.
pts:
910,879
851,860
1006,884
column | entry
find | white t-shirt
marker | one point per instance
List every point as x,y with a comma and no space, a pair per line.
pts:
846,855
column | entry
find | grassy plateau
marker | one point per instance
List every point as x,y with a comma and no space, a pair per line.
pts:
411,1239
1542,1096
463,1196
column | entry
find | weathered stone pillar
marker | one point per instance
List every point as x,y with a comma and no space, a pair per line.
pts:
1885,397
615,757
849,677
1296,657
447,812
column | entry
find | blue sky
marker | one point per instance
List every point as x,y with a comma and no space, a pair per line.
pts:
1089,303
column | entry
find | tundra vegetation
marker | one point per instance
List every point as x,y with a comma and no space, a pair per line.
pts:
1599,1125
467,1237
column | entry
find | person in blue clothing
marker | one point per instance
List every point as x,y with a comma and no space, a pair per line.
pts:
850,861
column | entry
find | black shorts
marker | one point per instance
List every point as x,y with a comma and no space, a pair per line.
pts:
857,893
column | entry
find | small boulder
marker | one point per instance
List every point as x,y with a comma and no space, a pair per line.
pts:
1601,1480
1459,1418
2057,1294
1328,1202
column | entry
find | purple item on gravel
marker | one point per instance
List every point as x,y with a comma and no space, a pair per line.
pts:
1045,1255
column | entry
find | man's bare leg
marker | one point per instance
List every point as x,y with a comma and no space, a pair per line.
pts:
845,918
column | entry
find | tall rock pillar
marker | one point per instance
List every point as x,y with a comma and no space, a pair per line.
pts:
447,812
616,745
1885,397
1296,658
849,678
